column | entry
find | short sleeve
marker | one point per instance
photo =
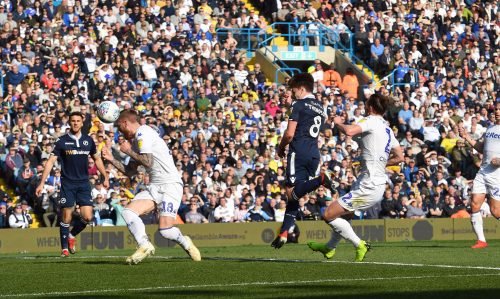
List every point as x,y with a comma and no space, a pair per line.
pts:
144,141
365,124
58,148
294,115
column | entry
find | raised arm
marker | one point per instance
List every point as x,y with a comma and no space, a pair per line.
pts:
287,137
349,130
129,170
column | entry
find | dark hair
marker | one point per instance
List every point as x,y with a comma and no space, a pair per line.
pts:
305,80
379,103
130,115
76,113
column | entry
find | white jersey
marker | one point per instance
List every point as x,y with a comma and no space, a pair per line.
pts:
147,141
377,141
491,145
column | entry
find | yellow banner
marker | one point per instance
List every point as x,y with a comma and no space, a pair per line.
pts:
263,233
418,230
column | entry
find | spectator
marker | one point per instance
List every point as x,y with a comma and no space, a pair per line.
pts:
19,218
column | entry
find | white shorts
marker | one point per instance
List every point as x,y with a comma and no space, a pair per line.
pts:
167,197
487,181
364,194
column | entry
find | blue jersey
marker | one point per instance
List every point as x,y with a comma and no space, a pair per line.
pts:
73,155
310,117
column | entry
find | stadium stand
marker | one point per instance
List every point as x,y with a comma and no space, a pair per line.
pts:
208,75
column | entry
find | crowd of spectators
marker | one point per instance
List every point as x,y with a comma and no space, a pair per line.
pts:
220,118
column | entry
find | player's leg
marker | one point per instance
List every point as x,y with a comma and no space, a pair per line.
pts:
363,196
66,202
66,213
139,206
168,208
328,249
173,233
299,172
476,219
84,200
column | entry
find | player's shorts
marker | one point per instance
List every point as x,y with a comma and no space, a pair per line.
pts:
300,168
363,195
166,196
487,181
75,193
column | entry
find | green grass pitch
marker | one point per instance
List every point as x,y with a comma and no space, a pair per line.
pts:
391,270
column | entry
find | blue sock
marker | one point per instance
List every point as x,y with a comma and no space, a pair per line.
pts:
78,227
64,233
303,188
292,208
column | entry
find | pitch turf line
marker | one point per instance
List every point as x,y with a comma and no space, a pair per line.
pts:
245,284
266,260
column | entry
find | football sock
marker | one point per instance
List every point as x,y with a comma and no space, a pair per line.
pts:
64,232
77,228
477,224
135,226
343,228
173,233
303,188
334,241
292,208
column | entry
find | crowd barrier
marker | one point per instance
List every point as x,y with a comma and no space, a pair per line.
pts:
232,234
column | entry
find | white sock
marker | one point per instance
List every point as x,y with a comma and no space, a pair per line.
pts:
343,228
135,226
477,224
334,241
174,234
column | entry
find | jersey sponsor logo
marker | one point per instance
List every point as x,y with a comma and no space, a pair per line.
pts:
75,152
492,135
69,143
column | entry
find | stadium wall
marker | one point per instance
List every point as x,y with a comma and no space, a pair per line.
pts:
230,234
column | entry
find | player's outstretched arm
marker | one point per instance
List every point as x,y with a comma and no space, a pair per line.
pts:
128,170
477,145
144,159
45,174
349,130
397,156
100,166
287,137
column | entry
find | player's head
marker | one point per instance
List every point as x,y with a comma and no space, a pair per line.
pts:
301,84
378,104
75,121
128,122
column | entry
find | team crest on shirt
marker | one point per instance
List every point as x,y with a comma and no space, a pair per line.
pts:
85,143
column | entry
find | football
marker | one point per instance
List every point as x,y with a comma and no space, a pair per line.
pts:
108,112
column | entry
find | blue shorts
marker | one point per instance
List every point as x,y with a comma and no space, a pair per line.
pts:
75,193
300,168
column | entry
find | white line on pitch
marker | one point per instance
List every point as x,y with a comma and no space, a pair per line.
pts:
274,260
244,284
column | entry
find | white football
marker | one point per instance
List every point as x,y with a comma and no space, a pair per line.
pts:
108,112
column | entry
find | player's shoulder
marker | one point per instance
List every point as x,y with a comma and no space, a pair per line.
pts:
144,130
